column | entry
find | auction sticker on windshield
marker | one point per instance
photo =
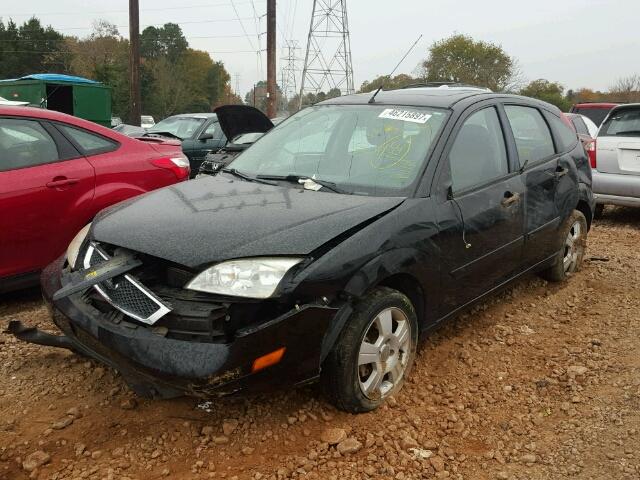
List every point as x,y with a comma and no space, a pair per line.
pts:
405,115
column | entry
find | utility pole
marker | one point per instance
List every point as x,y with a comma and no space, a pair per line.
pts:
271,59
134,62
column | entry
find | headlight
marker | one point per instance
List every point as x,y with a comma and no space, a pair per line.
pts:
74,247
251,277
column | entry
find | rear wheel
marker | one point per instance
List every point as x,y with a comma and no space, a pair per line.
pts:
374,354
573,236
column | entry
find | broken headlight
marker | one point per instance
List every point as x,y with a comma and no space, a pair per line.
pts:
251,277
74,247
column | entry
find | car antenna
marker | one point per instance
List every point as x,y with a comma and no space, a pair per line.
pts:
373,98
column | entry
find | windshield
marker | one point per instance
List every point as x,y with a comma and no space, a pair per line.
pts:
623,122
362,149
181,127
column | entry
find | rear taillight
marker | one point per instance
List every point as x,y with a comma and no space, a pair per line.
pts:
591,151
179,165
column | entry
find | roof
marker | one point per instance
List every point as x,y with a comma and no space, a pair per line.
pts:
418,96
43,113
53,77
596,105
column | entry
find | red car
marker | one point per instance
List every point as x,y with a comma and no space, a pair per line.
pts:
596,112
57,172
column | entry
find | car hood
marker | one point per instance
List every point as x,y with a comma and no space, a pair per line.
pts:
239,119
219,218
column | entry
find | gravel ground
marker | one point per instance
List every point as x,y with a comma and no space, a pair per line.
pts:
540,382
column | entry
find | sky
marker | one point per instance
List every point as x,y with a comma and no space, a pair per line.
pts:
579,43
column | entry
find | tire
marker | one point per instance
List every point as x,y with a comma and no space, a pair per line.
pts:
573,241
384,325
599,211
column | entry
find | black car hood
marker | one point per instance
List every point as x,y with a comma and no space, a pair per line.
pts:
239,119
219,218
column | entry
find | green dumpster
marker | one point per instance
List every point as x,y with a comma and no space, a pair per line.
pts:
76,96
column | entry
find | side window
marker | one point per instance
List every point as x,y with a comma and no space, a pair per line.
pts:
215,130
567,136
581,128
25,143
91,143
479,153
533,138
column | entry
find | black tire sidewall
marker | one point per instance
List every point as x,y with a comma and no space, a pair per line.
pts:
347,349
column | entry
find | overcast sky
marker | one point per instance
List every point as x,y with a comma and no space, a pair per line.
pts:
580,43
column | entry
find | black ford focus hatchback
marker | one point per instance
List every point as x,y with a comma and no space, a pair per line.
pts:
327,247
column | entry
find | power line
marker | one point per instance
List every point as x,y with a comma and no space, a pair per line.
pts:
242,25
48,40
219,20
210,5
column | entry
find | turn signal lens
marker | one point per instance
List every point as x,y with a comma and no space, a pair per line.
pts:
267,360
178,165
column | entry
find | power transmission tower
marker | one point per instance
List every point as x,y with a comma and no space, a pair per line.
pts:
327,64
289,70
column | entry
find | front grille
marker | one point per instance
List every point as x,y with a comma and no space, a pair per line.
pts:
189,315
125,293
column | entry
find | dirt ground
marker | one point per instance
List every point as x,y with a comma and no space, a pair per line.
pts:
540,382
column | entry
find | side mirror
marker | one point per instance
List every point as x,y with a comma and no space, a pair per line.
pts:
205,136
449,192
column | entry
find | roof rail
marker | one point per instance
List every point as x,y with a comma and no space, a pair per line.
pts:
444,85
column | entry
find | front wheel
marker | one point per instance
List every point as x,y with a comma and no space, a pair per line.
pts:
374,354
573,236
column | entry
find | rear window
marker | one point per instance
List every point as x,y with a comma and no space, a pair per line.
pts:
624,122
90,143
596,115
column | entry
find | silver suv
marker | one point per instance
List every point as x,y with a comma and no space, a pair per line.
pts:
616,159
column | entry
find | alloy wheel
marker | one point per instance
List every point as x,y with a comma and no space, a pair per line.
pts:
384,353
573,246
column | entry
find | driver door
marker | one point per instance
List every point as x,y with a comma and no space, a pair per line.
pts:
480,211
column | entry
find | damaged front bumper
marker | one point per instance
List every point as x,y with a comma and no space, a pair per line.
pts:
156,366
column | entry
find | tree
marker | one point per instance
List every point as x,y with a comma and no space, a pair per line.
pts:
461,59
104,56
167,41
626,89
399,81
551,92
257,97
30,48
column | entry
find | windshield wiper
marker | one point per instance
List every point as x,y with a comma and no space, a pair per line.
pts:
297,179
246,177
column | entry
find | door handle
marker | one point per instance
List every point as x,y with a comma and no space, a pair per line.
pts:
62,182
561,172
510,199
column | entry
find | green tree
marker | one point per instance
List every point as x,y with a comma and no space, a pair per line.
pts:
257,97
104,56
30,48
167,41
551,92
399,81
461,59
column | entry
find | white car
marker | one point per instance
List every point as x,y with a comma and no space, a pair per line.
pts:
147,121
616,159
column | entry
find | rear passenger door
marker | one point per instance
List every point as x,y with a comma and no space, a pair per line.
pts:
46,190
538,160
481,217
